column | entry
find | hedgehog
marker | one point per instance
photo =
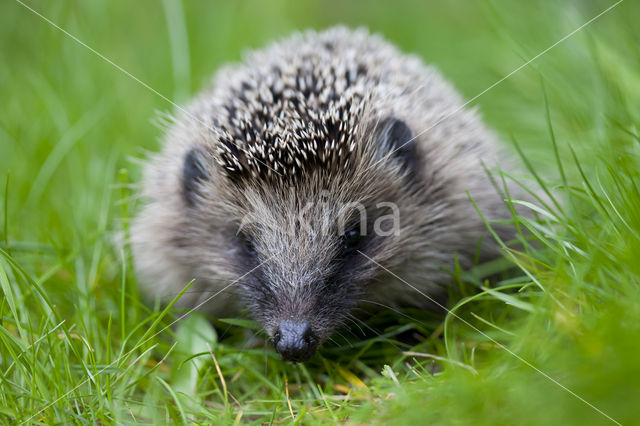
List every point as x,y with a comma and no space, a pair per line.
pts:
327,170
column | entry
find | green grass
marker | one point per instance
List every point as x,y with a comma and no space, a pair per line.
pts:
77,345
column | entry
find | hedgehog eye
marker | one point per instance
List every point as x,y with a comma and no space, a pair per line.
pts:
247,244
194,171
351,239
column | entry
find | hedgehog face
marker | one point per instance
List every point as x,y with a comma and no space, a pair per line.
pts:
310,272
301,247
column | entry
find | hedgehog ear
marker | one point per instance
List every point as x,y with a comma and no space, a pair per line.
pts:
194,172
397,140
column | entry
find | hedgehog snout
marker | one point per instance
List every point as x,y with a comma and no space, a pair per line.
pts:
295,341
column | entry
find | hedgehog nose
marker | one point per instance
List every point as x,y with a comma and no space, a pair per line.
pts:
295,341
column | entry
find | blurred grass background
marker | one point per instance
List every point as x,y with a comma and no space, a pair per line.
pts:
71,124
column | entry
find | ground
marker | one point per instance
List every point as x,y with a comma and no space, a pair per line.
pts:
550,338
